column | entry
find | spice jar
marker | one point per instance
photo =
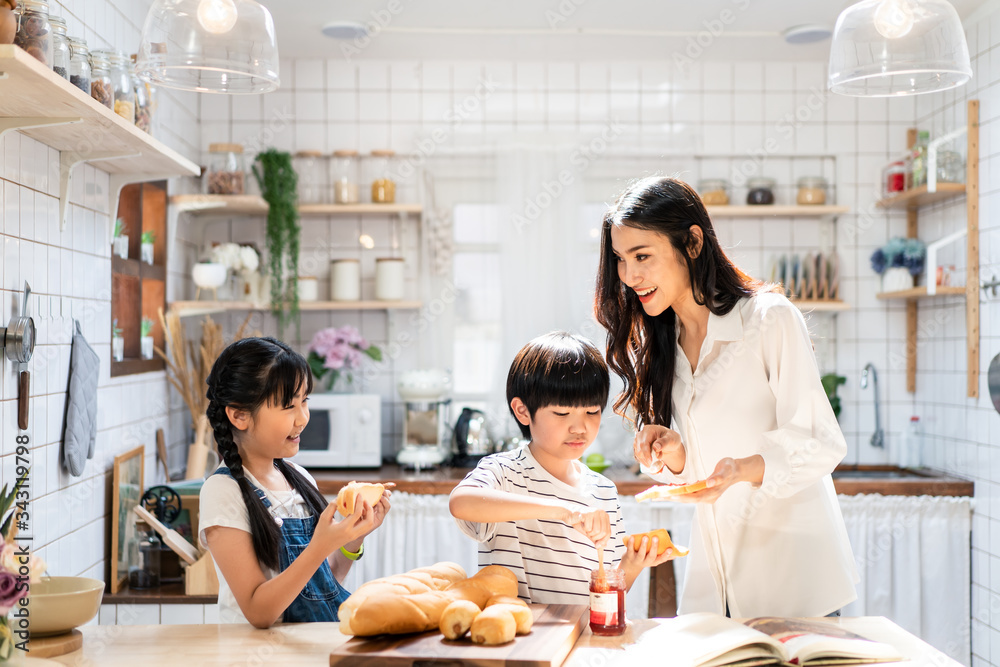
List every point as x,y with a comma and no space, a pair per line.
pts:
714,191
226,173
311,169
380,168
60,47
344,177
144,558
101,87
34,31
121,79
894,178
143,102
812,191
607,602
950,167
345,280
761,191
389,279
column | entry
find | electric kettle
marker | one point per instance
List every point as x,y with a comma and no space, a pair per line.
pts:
471,438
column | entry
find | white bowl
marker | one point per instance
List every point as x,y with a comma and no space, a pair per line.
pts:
423,384
209,275
59,604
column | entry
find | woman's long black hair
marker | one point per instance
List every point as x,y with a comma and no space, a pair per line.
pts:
641,349
247,375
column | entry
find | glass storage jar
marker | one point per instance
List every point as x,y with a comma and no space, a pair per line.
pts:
60,47
812,191
143,102
761,191
381,165
226,173
121,79
950,167
894,178
714,191
311,169
344,177
144,558
34,30
101,87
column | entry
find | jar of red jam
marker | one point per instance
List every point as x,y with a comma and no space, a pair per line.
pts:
607,602
894,178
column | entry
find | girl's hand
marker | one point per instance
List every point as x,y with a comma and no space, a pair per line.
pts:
594,523
381,508
657,447
331,534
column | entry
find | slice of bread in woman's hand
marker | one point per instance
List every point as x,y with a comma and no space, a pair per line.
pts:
353,492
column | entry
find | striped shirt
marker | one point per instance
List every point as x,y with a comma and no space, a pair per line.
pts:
551,559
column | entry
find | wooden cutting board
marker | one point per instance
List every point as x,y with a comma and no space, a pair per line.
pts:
556,629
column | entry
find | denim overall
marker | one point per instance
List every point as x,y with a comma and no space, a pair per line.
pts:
323,594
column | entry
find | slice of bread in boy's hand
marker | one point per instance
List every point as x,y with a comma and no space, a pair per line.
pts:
663,542
349,496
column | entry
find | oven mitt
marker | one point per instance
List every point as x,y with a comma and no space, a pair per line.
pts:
81,405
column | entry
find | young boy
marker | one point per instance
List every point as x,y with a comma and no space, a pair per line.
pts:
538,510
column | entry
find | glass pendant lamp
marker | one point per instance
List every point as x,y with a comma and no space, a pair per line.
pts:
209,46
883,48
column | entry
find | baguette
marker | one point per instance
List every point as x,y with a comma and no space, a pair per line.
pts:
348,496
416,600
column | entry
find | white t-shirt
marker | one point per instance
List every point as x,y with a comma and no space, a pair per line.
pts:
551,559
221,504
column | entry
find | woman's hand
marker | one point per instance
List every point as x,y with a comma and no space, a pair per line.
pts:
727,472
657,447
331,534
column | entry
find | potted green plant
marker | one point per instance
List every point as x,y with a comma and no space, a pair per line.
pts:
120,243
147,239
278,181
831,381
117,342
146,338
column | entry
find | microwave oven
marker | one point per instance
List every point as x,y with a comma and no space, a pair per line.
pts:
344,431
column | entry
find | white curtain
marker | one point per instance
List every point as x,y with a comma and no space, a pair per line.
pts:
913,554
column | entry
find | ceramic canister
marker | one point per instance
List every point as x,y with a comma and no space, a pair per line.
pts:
389,282
345,280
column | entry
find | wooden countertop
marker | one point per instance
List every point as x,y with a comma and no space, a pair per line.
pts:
305,644
865,479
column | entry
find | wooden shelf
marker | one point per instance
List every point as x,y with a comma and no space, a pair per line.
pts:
776,211
137,268
825,305
132,366
197,308
234,205
917,197
921,293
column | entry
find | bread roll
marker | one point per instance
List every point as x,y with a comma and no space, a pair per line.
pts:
523,617
348,496
416,600
457,617
494,625
505,599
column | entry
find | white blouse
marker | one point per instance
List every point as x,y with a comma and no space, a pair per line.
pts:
780,549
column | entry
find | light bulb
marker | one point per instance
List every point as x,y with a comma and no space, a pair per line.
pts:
894,18
217,16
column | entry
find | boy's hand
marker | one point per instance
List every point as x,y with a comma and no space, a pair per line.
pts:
634,561
594,523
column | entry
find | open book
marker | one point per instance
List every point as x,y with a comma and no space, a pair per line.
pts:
711,640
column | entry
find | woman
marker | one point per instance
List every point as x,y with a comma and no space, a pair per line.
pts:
721,378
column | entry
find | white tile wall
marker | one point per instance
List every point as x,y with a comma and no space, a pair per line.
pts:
70,275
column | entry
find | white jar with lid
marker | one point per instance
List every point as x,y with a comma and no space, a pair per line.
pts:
308,287
390,284
345,280
310,166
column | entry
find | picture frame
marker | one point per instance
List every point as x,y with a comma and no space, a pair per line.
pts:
127,485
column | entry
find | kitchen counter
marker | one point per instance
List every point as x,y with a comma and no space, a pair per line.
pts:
308,644
848,480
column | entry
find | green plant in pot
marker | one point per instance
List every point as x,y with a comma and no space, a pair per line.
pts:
278,182
831,381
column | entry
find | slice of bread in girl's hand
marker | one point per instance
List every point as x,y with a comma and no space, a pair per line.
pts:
351,494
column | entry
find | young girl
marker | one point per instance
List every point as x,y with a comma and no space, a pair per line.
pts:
279,551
